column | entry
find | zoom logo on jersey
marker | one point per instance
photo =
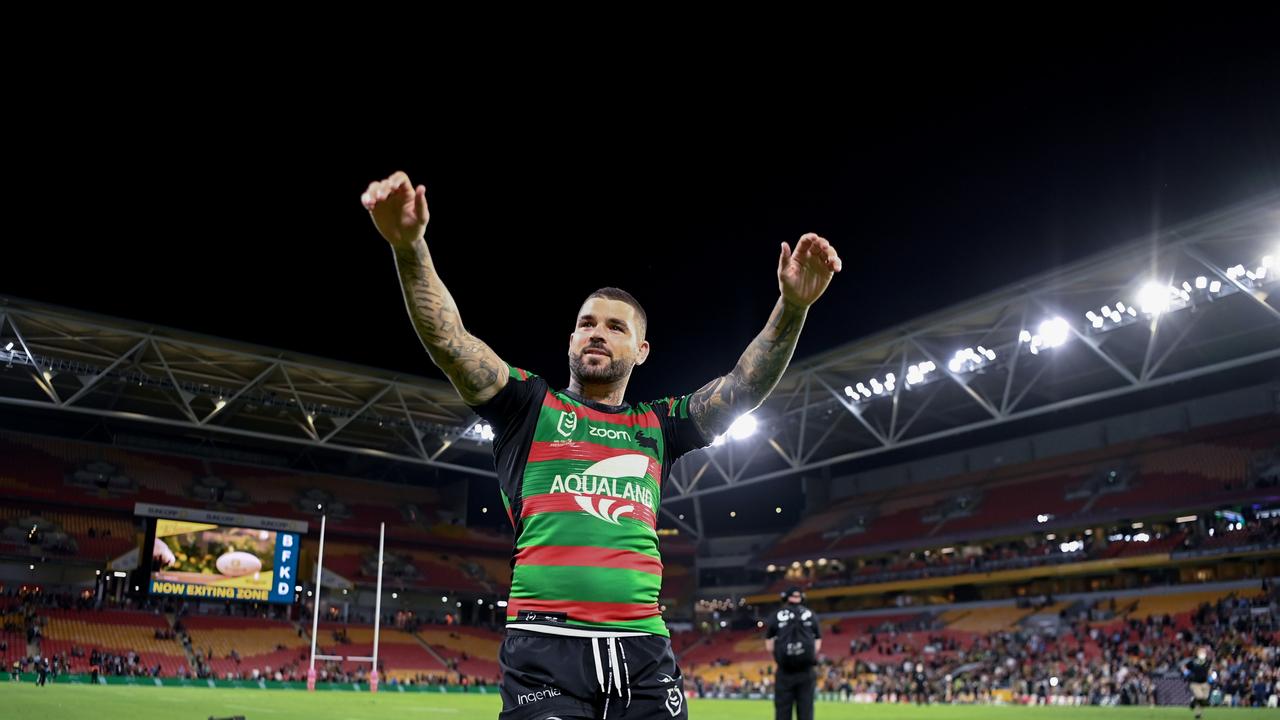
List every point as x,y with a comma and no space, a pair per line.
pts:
610,434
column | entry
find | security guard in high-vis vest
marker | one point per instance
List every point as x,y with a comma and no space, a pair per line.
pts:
795,639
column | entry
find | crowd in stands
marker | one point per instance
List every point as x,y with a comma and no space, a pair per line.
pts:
1106,653
1031,552
26,614
1126,660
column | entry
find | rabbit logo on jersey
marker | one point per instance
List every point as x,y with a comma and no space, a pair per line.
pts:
608,478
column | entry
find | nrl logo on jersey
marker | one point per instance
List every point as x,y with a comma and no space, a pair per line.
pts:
567,424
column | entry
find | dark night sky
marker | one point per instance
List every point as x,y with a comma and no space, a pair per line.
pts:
227,203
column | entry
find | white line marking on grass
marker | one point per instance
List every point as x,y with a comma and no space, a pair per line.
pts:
128,690
256,709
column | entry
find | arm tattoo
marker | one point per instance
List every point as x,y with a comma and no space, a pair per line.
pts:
719,402
475,370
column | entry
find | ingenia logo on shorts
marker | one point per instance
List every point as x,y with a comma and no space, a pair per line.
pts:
537,696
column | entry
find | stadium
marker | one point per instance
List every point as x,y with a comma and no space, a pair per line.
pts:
1024,463
1075,565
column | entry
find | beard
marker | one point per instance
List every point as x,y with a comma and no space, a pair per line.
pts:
587,374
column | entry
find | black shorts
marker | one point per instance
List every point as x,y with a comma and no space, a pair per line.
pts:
554,677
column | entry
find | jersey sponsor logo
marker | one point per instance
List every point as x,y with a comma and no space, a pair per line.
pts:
665,678
600,508
567,424
533,616
536,696
608,433
608,478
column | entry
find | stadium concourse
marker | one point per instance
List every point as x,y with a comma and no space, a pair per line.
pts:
1054,493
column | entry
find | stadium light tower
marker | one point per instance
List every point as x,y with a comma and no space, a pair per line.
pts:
1055,332
743,428
1153,298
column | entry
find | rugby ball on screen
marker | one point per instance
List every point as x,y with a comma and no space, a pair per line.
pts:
237,563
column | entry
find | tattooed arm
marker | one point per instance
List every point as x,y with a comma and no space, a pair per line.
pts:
475,370
802,278
721,401
399,211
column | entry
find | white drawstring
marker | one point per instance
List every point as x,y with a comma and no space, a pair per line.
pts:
614,645
608,691
608,686
626,671
595,651
613,662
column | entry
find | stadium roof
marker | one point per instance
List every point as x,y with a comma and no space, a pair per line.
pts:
1185,302
78,362
1115,324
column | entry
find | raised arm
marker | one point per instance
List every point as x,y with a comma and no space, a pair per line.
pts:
399,211
803,275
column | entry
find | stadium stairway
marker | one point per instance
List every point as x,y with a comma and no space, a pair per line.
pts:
430,650
1046,619
473,651
398,653
1093,500
680,651
191,660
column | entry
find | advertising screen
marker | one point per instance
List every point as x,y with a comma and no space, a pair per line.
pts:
219,562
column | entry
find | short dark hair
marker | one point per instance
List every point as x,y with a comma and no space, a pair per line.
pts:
613,293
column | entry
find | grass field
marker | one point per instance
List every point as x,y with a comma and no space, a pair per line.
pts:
73,702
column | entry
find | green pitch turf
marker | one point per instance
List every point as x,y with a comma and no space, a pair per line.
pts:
116,702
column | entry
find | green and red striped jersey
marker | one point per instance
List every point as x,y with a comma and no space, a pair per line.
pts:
581,483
